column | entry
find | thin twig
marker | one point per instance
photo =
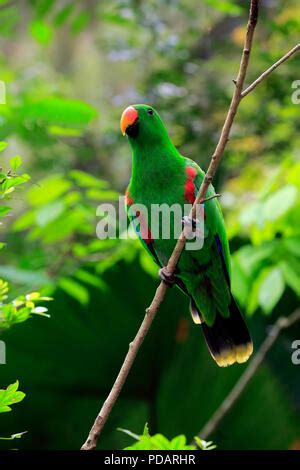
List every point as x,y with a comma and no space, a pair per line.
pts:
151,311
211,197
281,324
270,70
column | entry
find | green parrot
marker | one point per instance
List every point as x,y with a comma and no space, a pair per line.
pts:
160,175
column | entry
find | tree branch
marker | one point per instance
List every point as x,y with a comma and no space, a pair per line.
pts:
281,324
160,293
270,70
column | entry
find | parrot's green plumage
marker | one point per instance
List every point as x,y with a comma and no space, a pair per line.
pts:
160,175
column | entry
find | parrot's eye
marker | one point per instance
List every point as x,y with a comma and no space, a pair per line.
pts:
150,112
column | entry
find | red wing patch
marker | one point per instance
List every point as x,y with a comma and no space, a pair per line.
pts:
145,231
189,187
128,200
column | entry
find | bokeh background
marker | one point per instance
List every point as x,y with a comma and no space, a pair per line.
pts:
70,68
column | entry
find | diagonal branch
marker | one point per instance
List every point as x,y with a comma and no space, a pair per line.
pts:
281,324
267,72
160,293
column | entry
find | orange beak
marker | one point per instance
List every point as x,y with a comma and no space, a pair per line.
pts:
129,116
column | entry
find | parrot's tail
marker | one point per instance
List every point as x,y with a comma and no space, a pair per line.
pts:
228,340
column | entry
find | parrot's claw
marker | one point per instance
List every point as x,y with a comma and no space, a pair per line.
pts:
191,227
166,277
188,222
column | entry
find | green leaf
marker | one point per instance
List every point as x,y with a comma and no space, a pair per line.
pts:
58,111
13,181
90,279
80,21
15,162
13,387
252,258
291,275
10,396
3,145
292,245
75,290
64,131
24,276
33,296
271,289
4,211
143,444
146,430
106,195
85,180
160,442
62,16
147,263
199,442
178,442
13,316
252,303
204,445
41,31
49,189
229,7
280,202
3,290
49,212
239,281
43,7
9,191
24,221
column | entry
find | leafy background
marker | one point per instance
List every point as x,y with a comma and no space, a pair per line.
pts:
69,70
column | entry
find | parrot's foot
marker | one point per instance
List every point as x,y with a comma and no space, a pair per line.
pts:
189,227
166,277
188,222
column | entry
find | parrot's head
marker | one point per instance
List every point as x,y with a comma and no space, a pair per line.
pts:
143,126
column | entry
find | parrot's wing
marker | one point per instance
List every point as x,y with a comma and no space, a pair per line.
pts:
214,224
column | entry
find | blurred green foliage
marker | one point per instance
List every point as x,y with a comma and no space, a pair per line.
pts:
264,268
23,307
69,70
160,442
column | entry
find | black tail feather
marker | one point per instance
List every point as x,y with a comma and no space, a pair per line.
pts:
228,340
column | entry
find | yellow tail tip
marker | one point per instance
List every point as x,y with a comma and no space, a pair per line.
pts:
237,354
